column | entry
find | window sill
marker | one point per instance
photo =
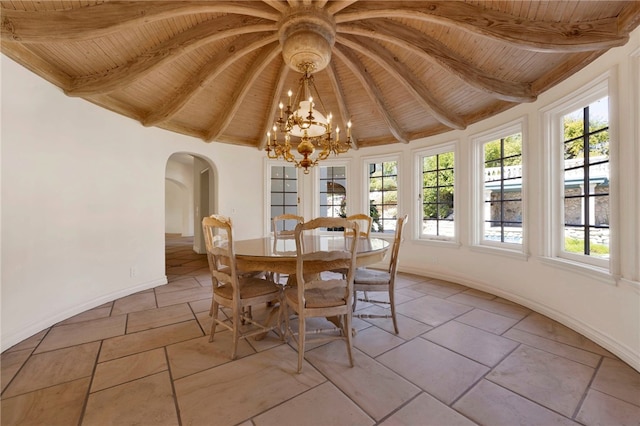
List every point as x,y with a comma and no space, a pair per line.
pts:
633,285
437,243
513,254
599,274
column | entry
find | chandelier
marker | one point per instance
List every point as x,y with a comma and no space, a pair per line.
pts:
306,35
312,128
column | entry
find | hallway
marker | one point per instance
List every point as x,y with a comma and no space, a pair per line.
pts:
462,357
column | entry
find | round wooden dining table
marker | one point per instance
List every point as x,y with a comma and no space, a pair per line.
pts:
279,254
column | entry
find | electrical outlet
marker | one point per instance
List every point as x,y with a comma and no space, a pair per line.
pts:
133,271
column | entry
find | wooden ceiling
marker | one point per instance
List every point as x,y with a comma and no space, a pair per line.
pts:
400,70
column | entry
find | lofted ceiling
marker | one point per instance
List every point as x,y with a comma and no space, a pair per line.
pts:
400,70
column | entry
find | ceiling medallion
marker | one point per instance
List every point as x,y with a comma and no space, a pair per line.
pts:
307,35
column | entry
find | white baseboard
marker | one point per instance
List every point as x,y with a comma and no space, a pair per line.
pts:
14,338
617,348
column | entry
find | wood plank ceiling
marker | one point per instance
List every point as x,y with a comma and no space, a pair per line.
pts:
400,70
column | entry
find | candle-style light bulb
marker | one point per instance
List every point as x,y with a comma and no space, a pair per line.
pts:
281,107
348,129
289,93
337,134
310,104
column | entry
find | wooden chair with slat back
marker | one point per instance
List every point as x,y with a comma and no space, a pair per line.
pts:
371,280
320,293
284,227
364,221
232,290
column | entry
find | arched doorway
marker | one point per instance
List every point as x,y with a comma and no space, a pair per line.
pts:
190,195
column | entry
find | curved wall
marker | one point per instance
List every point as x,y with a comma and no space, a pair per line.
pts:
603,306
83,206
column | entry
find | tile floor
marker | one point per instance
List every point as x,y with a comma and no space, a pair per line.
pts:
462,357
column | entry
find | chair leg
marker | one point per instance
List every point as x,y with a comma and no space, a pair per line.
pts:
236,332
284,306
301,336
281,306
214,319
355,300
347,331
393,310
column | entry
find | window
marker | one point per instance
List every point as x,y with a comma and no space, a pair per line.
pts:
283,191
500,188
580,203
586,180
502,210
382,179
333,191
436,168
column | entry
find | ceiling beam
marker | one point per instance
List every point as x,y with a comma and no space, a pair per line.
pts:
354,64
539,36
437,53
629,18
244,85
337,5
283,72
277,5
405,77
106,18
213,68
162,54
342,106
22,54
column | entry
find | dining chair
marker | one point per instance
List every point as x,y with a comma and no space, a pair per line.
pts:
319,292
231,289
283,227
284,224
364,221
371,280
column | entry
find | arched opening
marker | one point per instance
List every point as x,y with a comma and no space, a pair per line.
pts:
190,195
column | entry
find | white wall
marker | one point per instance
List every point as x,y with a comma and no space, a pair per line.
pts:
83,202
176,203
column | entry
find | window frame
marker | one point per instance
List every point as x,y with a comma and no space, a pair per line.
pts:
585,198
366,162
269,164
478,242
419,156
553,133
316,184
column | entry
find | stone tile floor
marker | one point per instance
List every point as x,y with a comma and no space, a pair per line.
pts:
462,357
